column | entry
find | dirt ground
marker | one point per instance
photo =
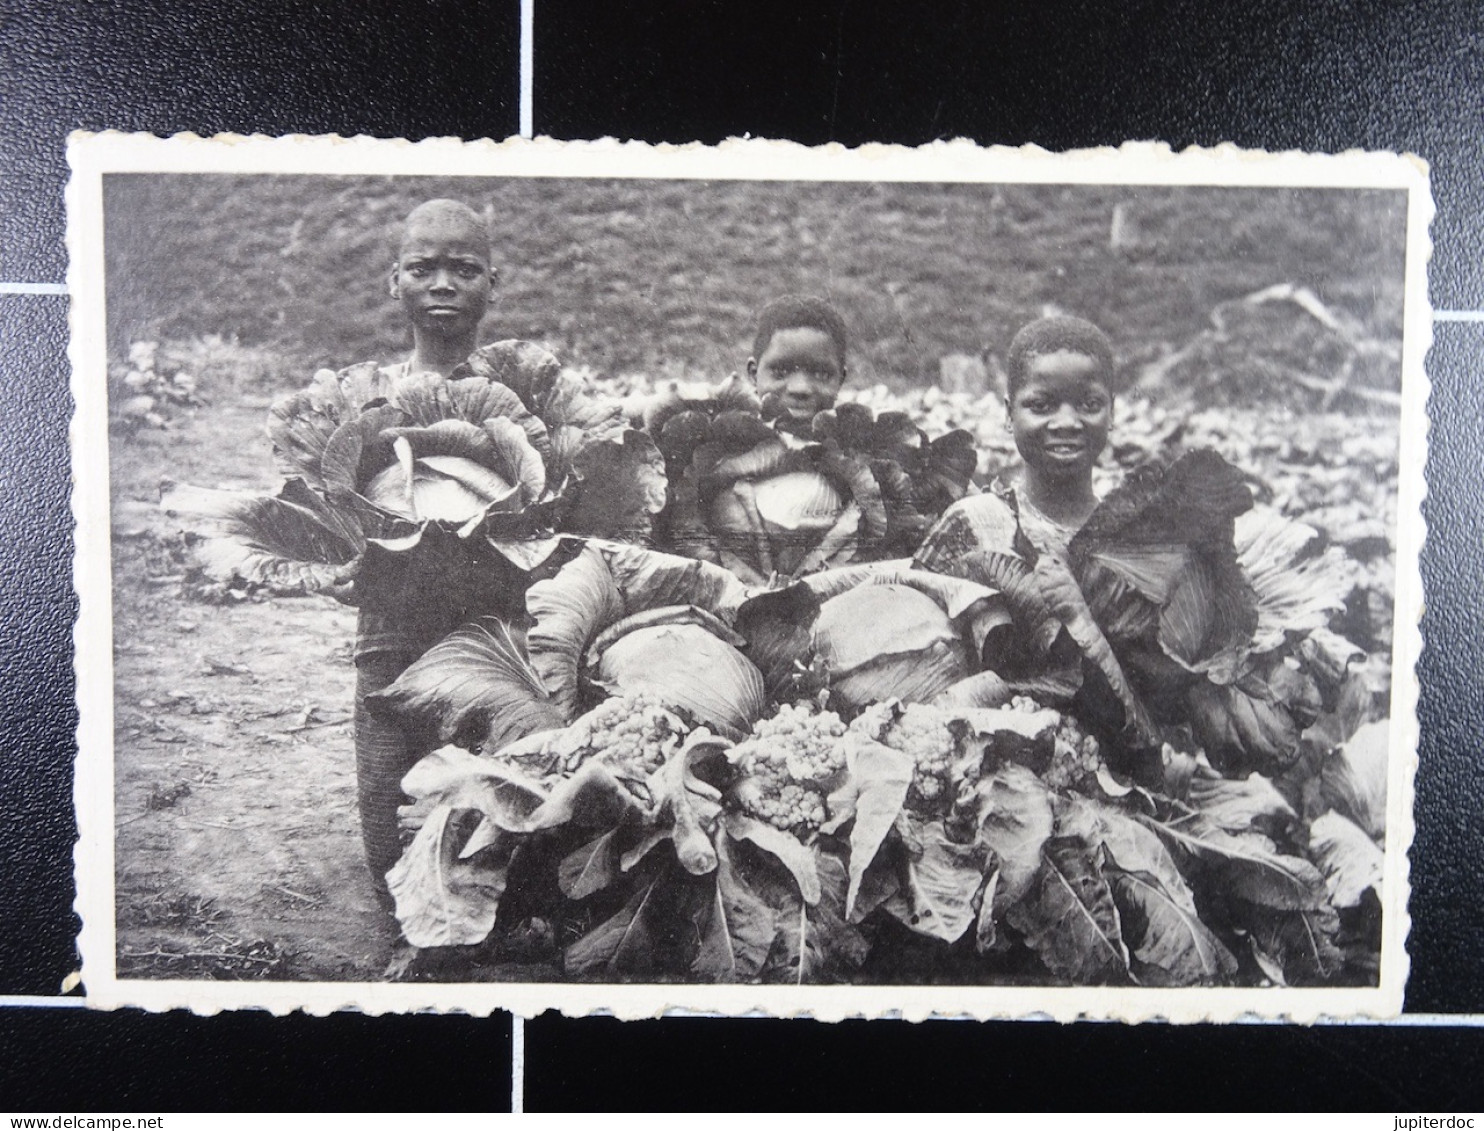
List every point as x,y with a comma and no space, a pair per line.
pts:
238,849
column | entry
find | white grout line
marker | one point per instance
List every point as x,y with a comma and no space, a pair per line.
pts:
517,1064
527,66
1458,315
40,1001
33,288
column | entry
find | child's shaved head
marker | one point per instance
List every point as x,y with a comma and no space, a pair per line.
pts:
444,280
446,217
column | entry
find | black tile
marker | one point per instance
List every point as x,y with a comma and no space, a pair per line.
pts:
703,1064
428,68
1447,938
53,1059
37,607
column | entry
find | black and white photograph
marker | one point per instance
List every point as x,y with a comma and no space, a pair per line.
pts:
750,578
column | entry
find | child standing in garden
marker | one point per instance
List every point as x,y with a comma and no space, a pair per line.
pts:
431,493
443,279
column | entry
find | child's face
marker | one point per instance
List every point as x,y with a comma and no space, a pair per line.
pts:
1060,414
802,367
443,278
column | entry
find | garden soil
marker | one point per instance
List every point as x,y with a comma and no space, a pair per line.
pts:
239,852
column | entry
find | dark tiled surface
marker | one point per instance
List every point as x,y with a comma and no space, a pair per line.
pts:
1323,77
72,1060
426,69
37,607
1447,939
704,1064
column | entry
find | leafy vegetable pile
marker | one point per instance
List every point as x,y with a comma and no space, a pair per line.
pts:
694,778
722,728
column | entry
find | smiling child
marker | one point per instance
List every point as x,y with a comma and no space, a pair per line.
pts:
798,356
1059,404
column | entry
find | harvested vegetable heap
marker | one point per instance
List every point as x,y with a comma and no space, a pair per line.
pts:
726,731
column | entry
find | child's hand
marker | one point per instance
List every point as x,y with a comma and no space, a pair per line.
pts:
344,586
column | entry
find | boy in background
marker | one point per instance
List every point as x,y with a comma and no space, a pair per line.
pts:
798,357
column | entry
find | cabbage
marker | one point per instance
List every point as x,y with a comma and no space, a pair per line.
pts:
440,488
601,587
774,525
788,501
798,500
687,667
508,452
888,641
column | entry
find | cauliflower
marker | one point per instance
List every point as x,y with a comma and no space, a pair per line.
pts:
788,764
631,734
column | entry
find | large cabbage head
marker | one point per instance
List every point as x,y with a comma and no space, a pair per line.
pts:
889,641
636,621
508,452
688,666
780,524
453,471
791,498
465,455
778,510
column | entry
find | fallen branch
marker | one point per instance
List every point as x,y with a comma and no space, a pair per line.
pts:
213,825
317,723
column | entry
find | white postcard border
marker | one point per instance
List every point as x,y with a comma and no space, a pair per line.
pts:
91,155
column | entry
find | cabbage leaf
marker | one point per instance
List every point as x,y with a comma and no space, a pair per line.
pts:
1351,861
1169,944
1070,919
941,882
291,542
1352,779
1015,820
1300,943
441,898
1249,865
738,930
475,687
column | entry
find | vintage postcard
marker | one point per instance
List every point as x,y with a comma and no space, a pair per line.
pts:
751,578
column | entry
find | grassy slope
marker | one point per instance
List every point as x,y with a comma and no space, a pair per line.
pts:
664,277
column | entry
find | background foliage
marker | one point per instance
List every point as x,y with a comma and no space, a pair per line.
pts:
664,277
